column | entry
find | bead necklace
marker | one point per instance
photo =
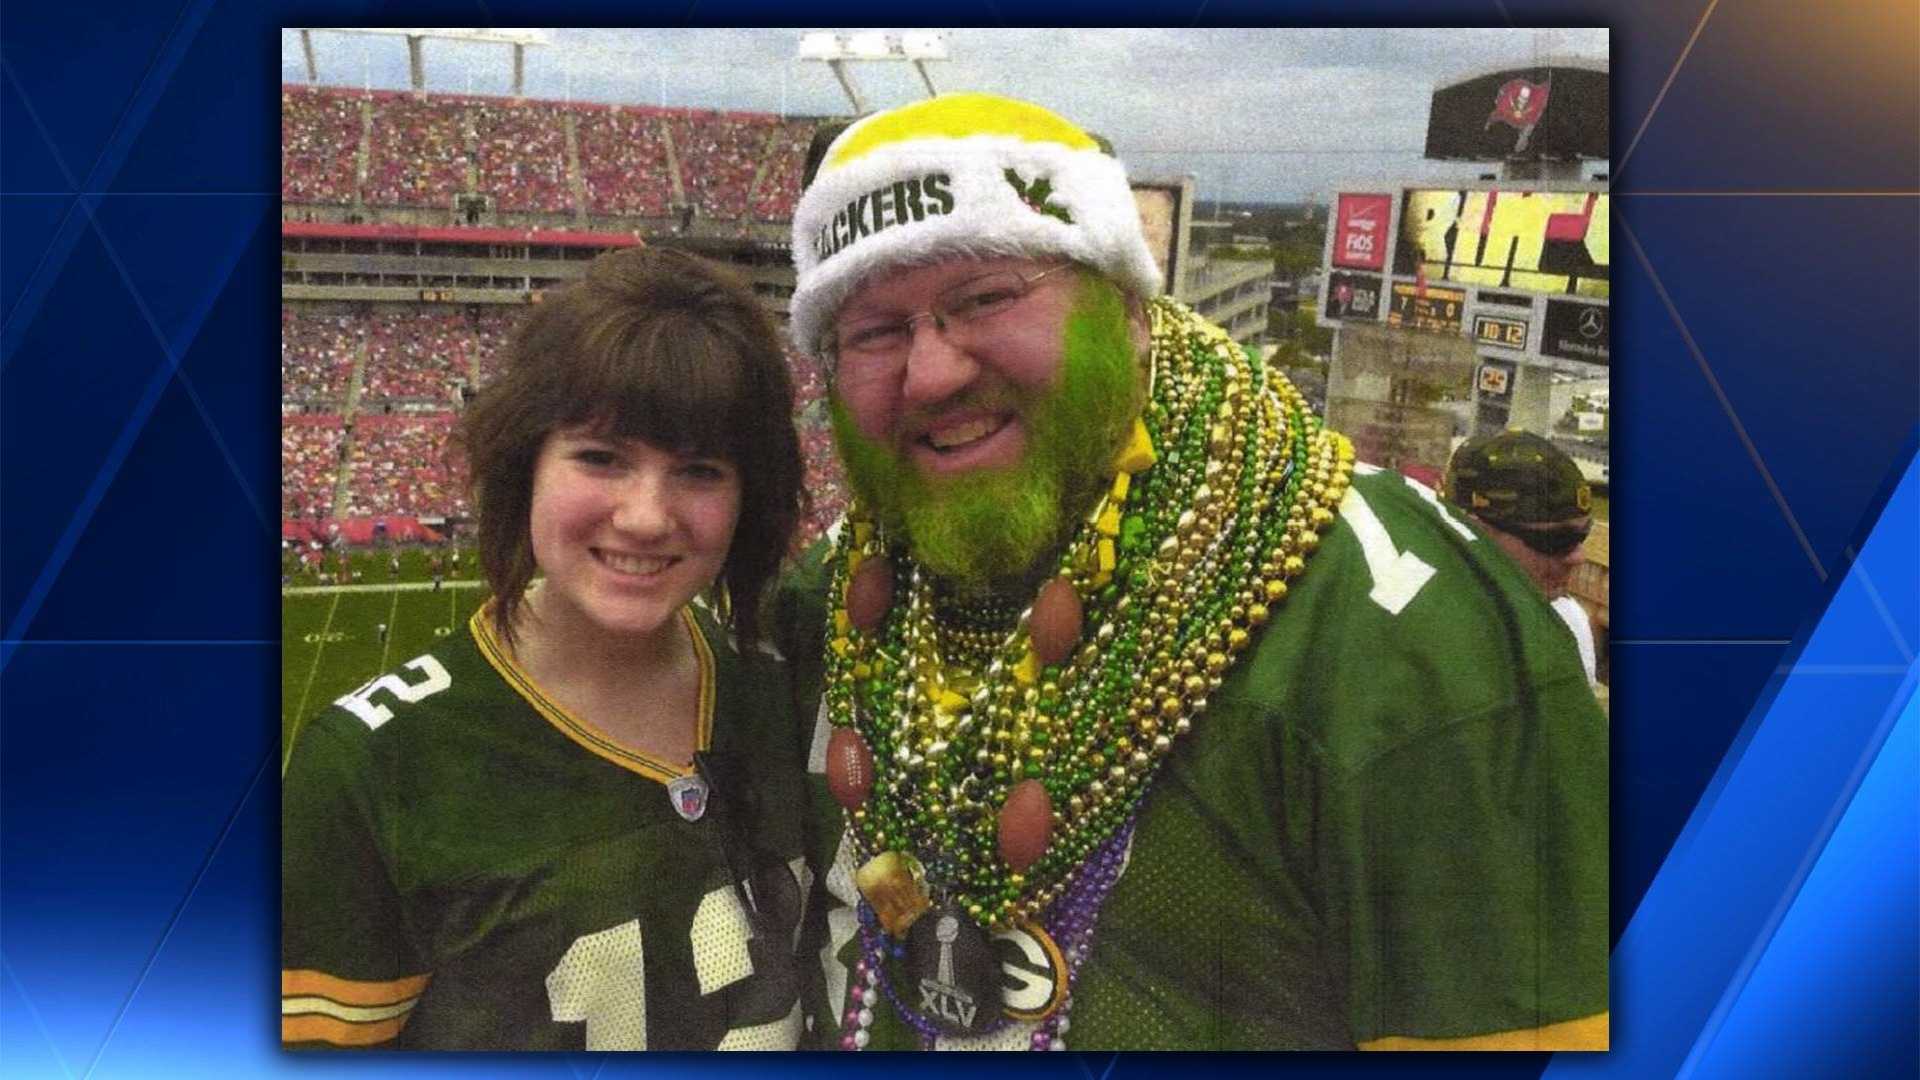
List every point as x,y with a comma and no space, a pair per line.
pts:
982,768
1070,922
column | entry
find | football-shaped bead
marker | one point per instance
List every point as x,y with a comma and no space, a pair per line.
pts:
849,767
870,593
1026,823
1055,623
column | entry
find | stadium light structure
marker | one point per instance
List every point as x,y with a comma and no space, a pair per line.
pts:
916,47
519,40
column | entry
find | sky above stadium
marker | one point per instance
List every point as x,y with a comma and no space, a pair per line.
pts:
1253,114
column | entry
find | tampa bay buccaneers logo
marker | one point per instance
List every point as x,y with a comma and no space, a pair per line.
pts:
1519,104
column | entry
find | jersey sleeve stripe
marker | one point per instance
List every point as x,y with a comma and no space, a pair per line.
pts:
301,983
314,1027
357,1014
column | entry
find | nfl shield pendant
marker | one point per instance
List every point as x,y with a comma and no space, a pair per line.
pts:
952,969
688,794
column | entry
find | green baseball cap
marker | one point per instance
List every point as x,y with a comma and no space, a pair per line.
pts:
1517,478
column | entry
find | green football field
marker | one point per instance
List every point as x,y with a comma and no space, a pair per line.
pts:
331,635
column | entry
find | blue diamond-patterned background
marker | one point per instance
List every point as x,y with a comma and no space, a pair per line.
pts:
1766,506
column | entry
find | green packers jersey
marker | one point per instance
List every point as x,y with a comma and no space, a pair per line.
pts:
466,865
1390,821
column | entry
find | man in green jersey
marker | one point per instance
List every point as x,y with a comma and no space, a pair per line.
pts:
1147,718
1533,503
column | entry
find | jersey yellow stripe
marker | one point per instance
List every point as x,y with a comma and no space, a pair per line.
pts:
703,725
1586,1033
304,982
586,735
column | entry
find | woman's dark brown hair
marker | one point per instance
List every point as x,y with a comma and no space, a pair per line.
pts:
655,345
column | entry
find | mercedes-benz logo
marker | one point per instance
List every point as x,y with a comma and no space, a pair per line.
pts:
1590,323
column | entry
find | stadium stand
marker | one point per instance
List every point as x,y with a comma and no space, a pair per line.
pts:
779,187
316,357
423,150
417,153
416,356
825,486
367,384
521,155
719,153
490,330
319,145
399,465
623,159
309,465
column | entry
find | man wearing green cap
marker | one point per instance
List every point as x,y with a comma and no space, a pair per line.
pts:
1535,505
1144,717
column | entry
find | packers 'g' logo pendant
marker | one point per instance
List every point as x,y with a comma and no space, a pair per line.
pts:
1033,973
952,972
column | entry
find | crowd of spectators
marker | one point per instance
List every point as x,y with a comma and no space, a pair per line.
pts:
423,151
719,154
826,484
490,329
399,464
779,188
809,382
417,152
319,145
310,447
623,159
416,355
395,464
316,356
520,153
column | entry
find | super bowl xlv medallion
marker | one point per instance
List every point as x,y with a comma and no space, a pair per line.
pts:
952,972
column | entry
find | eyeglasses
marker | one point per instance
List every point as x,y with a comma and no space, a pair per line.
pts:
878,342
1552,541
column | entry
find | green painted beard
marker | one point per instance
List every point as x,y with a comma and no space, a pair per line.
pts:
991,529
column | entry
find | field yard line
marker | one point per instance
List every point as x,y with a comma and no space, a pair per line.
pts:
300,713
403,586
452,612
393,617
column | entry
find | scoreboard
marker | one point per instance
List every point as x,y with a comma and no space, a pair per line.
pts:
1520,269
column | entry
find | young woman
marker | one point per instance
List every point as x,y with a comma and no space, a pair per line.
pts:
576,824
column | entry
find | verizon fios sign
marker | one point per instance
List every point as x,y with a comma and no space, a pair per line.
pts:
1360,231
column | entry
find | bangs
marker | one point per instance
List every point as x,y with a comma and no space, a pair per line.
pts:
671,382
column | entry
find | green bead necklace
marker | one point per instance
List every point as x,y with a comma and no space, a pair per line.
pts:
1215,505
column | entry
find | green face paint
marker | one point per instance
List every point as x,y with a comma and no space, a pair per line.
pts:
996,525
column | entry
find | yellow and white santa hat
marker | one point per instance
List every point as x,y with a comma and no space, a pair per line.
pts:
960,174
